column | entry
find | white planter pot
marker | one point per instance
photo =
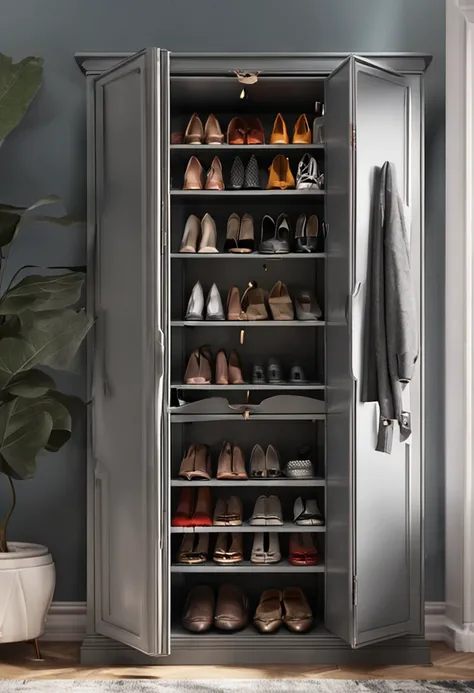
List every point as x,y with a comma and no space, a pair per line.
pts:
27,581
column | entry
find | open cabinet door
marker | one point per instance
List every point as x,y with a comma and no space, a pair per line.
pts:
129,420
373,551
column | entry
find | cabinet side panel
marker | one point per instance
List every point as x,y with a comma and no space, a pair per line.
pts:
340,387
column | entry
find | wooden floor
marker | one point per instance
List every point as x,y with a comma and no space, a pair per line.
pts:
61,661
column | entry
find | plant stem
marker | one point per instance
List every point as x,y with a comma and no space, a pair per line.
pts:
4,525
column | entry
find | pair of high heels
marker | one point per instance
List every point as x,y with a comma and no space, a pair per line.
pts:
196,462
276,235
211,133
213,305
199,235
252,304
194,175
247,177
200,366
301,131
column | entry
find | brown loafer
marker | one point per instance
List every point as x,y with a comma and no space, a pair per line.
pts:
236,131
231,608
199,609
268,616
297,616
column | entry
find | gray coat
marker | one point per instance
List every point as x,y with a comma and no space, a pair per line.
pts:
391,340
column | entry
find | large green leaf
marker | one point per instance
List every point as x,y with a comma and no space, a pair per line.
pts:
11,218
19,84
6,469
16,355
61,418
10,326
40,293
54,335
24,432
32,383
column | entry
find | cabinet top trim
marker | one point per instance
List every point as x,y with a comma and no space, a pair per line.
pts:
225,63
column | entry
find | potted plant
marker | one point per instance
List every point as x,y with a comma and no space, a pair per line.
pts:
39,327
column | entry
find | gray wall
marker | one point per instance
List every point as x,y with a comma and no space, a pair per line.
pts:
47,154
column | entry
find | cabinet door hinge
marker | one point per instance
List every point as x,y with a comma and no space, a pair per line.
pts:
354,590
353,138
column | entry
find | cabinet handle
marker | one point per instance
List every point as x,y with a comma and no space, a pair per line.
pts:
349,320
163,481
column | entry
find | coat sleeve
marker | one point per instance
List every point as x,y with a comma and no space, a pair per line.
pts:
400,302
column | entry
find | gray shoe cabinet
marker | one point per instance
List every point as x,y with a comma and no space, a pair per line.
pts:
367,592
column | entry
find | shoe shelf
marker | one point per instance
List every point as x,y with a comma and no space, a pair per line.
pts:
242,324
182,194
247,256
246,567
245,483
242,148
179,418
249,636
249,529
250,386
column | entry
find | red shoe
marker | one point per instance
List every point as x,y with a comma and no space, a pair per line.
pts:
302,550
185,509
203,512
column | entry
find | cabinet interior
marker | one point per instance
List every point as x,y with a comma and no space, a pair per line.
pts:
304,343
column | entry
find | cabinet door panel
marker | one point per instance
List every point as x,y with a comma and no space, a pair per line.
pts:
373,548
129,417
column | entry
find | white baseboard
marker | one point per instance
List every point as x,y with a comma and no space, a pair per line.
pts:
67,622
435,621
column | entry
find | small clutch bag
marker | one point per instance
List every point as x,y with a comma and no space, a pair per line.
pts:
299,469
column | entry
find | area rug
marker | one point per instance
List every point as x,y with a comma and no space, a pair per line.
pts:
237,686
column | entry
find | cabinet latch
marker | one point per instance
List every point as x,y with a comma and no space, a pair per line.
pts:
354,590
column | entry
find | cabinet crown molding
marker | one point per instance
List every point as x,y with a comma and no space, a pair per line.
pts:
466,7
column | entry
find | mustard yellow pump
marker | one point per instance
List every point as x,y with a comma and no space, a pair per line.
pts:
280,174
